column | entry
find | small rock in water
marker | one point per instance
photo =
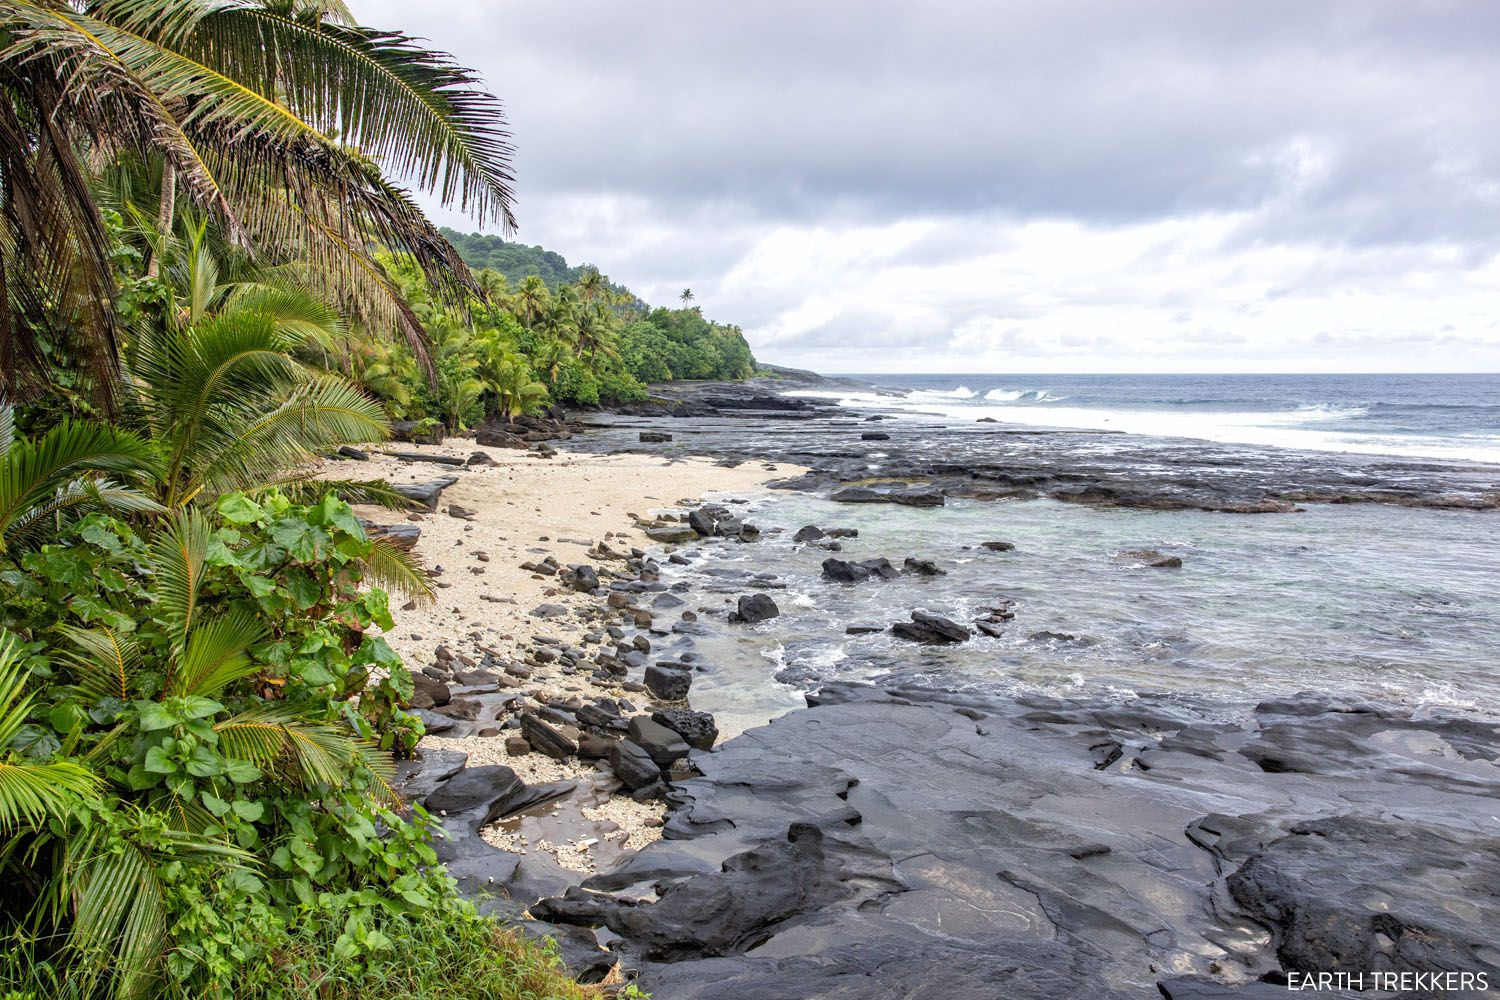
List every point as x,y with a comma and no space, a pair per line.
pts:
927,628
863,629
1153,558
998,546
755,608
923,567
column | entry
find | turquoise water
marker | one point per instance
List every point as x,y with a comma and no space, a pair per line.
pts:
1366,602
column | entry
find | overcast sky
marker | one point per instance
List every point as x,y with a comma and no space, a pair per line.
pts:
1052,186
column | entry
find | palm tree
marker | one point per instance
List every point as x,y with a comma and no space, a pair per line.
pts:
231,409
237,102
593,286
595,333
686,296
532,301
103,891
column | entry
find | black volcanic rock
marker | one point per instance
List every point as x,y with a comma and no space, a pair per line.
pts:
1354,894
755,608
668,683
843,571
932,629
697,728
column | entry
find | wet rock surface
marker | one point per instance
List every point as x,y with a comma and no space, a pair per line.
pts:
909,842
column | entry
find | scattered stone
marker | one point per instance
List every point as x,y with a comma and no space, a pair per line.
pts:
668,683
655,437
927,628
515,746
998,546
545,738
633,765
664,745
697,728
842,571
755,608
1153,558
923,567
874,436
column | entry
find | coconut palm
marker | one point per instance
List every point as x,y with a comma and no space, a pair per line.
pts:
532,301
593,286
595,334
236,102
686,296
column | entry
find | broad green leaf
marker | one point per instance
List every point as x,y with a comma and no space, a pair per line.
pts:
240,509
157,762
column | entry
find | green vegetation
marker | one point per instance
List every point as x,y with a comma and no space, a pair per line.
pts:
542,333
200,290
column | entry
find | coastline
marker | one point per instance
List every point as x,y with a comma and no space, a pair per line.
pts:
1115,845
475,645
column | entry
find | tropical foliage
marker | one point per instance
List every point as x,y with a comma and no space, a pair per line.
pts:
545,333
232,108
197,782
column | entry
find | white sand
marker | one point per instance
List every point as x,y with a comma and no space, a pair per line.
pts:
525,508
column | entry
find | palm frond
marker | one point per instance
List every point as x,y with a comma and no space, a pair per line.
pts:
289,748
217,654
29,792
396,571
179,556
106,662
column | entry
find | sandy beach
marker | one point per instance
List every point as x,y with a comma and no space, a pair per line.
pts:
522,508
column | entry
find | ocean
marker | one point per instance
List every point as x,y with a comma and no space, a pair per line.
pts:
1373,580
1448,417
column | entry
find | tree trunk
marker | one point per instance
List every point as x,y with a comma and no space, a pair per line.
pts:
164,215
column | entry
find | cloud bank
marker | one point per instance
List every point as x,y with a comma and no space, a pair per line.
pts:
1018,187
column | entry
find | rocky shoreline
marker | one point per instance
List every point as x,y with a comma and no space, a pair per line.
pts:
866,448
899,840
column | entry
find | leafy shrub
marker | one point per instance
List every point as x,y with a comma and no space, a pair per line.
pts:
217,679
575,384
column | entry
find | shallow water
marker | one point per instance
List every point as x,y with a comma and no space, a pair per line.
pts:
1365,602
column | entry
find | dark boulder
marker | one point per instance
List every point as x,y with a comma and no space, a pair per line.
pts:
808,533
546,738
668,683
654,437
668,533
429,693
1153,558
857,494
425,494
491,792
927,628
874,436
755,608
666,746
843,571
633,765
697,728
998,546
922,567
918,496
585,578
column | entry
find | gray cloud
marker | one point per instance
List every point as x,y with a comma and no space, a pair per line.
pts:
666,141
